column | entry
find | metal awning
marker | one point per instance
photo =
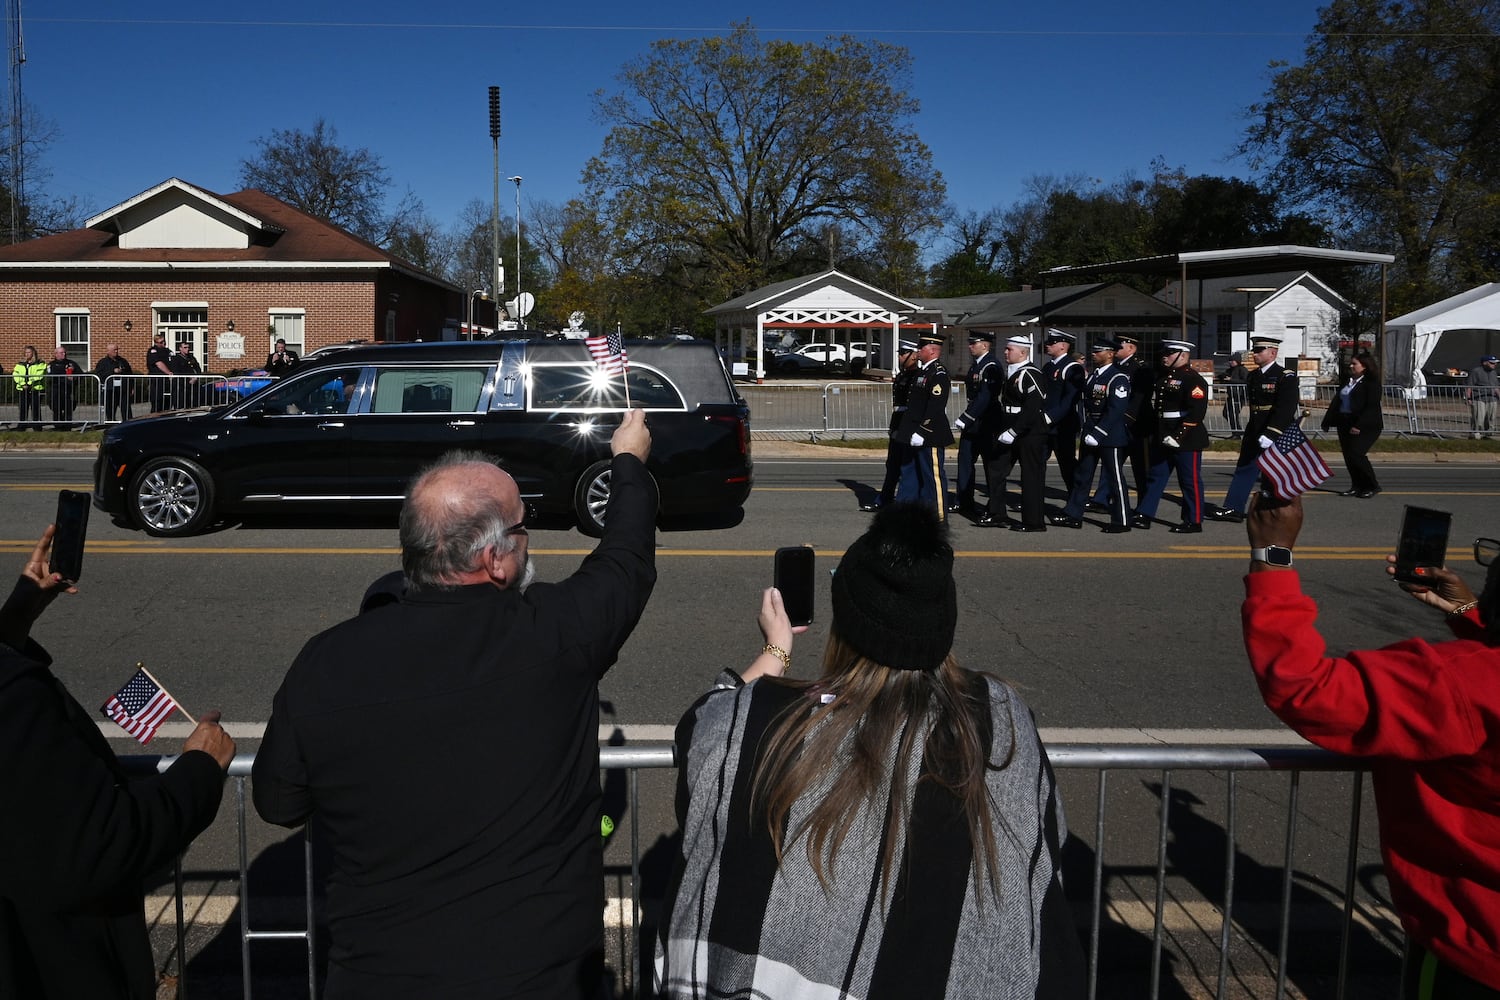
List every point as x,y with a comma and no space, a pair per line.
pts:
1228,263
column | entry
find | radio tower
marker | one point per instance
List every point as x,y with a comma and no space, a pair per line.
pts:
16,178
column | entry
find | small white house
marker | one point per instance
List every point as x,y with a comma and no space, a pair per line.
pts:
1293,305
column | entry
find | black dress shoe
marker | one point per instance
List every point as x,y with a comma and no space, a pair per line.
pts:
956,508
1094,507
1140,521
1115,529
1227,516
1349,493
1366,494
1017,526
869,506
1186,529
1064,521
988,520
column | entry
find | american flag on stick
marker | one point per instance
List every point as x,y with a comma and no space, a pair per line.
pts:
1292,465
141,706
608,352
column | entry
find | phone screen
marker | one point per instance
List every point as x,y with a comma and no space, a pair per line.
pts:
1423,541
794,578
72,529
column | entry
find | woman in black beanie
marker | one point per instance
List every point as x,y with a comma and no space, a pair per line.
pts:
891,828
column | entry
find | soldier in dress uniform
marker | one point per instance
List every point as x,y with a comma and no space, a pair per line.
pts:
1179,402
1137,419
1022,438
1063,379
896,451
1272,393
924,426
1105,398
978,425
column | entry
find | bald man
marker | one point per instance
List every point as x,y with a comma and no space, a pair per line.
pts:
448,745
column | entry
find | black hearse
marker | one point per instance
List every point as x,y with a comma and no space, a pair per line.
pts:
351,429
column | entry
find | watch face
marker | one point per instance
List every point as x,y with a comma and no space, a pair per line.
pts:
1277,556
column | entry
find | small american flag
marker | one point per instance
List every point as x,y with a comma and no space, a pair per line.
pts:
1292,465
608,352
140,707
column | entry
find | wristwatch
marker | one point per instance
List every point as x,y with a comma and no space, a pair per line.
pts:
1273,555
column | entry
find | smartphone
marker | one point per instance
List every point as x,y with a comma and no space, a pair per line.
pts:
794,578
1423,542
72,522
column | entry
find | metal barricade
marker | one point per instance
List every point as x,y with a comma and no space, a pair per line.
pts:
62,402
1219,769
817,409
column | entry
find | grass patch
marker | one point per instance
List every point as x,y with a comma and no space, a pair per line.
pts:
49,439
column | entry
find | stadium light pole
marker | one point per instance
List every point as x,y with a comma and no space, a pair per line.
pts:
494,267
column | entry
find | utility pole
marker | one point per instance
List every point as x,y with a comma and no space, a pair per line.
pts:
495,271
17,178
517,181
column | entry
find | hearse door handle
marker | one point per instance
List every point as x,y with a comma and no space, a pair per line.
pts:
461,423
331,425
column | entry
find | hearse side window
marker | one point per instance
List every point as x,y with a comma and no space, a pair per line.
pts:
585,387
427,390
326,392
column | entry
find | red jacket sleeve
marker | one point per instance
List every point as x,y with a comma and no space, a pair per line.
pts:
1409,700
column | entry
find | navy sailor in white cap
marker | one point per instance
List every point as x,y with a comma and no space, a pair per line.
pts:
1179,402
1022,438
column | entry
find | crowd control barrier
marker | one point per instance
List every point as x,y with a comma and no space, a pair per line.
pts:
78,402
863,409
1191,904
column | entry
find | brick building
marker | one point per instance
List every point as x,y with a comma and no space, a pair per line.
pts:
227,273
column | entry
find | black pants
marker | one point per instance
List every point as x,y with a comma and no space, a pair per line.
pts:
974,451
30,409
1031,452
1356,449
1062,441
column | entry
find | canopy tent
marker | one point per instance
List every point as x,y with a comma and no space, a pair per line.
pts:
1411,339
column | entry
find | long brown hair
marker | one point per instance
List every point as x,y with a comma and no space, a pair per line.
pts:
865,710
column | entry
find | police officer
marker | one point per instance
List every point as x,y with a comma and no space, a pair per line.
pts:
896,450
978,425
1105,399
924,426
281,361
1179,402
159,367
1272,393
1022,438
1063,379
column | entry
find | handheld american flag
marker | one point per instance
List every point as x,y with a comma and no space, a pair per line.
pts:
608,352
141,706
1292,465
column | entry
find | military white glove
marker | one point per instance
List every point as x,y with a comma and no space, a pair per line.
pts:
1047,419
1008,437
1170,442
1265,442
1091,441
959,424
916,440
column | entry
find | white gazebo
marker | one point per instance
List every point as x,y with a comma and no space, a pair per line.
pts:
830,305
1411,339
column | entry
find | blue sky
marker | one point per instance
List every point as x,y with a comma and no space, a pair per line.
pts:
143,92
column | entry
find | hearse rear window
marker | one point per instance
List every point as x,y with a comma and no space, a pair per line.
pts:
427,390
585,387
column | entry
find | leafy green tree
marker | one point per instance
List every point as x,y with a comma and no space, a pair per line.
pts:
345,186
1389,127
728,155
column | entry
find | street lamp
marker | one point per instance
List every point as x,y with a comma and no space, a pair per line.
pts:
516,180
479,293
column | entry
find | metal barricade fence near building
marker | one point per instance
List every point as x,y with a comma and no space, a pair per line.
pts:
1139,886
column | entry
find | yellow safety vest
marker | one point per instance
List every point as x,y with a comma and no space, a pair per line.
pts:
30,374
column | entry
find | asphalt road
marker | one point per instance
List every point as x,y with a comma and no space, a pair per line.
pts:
1112,639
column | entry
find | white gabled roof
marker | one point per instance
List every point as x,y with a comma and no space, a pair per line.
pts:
191,191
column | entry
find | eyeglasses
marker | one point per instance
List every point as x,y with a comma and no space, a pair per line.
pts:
1485,550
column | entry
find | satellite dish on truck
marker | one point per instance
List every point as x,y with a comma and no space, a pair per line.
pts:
520,307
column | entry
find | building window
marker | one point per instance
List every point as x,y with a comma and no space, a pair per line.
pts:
73,336
288,325
1224,333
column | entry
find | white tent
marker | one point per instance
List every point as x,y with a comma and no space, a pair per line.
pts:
1411,339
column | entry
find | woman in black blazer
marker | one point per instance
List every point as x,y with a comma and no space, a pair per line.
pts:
1355,412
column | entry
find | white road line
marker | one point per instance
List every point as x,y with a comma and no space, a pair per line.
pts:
646,733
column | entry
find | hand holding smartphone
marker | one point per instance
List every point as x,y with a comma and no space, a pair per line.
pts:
72,530
793,576
1423,542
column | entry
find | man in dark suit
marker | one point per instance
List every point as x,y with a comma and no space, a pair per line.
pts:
448,745
79,835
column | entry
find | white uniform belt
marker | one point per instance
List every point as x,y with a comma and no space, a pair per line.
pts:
898,409
1012,409
1173,414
